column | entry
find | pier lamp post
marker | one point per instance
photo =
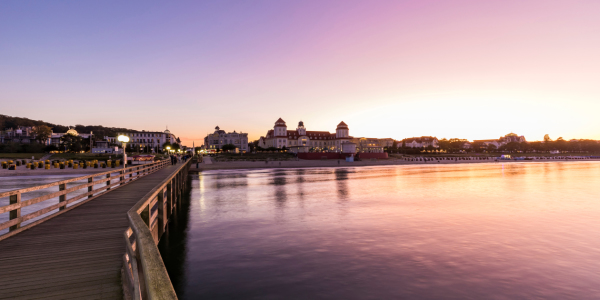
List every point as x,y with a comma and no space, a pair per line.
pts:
124,139
168,149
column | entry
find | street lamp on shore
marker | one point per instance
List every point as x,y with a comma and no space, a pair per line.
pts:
124,139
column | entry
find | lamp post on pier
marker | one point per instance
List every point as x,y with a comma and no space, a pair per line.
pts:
124,139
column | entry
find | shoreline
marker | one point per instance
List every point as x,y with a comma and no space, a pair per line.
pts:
244,165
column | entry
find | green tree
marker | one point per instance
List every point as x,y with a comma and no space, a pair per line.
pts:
71,142
41,133
457,143
491,147
511,147
561,144
477,146
445,144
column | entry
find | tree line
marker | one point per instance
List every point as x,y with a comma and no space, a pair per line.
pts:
456,145
99,131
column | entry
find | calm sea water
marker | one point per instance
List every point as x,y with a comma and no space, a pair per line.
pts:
470,231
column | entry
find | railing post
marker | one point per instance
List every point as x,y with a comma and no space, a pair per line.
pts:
62,198
169,199
146,215
122,177
180,184
161,213
108,181
91,187
175,183
15,213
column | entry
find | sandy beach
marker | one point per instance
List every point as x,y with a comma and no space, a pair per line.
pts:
334,163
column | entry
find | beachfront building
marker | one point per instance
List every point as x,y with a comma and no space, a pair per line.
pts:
154,140
303,141
21,135
219,138
421,142
512,138
509,138
25,135
371,145
55,137
105,148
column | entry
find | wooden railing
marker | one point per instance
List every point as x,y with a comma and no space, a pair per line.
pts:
15,205
145,274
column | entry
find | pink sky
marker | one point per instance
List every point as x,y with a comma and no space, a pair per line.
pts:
466,69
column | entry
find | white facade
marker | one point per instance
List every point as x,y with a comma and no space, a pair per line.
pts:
220,138
152,139
421,142
509,138
301,140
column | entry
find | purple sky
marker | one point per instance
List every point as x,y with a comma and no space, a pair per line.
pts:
467,69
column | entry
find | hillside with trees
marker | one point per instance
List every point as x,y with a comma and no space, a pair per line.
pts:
99,131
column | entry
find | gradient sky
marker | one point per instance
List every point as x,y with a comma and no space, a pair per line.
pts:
466,69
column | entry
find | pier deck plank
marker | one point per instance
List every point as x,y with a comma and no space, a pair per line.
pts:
77,255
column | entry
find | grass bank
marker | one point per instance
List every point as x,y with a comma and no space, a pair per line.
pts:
21,155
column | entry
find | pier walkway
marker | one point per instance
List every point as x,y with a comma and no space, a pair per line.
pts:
78,254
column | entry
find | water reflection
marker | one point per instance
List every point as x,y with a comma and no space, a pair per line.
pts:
478,231
341,175
280,180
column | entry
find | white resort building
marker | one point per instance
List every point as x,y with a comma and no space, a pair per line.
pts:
303,141
141,139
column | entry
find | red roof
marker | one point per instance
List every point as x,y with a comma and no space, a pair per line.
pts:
280,121
323,135
342,124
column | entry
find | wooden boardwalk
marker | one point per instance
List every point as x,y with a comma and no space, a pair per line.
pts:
77,255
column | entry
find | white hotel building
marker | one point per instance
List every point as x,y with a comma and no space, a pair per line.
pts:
152,139
301,140
219,138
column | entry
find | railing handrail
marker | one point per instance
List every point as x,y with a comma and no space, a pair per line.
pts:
15,205
45,186
155,276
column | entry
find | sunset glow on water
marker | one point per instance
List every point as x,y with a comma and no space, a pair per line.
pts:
478,231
